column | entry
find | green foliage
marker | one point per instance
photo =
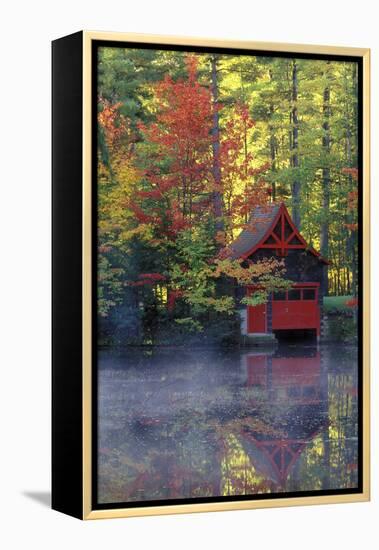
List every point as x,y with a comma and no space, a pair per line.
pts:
342,329
109,287
190,324
192,273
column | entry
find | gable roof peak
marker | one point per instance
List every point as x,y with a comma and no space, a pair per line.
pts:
262,221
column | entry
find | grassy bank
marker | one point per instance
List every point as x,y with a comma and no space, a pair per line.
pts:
336,303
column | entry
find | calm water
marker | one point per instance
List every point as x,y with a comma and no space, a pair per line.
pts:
198,423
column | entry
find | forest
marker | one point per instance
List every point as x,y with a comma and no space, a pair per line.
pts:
188,145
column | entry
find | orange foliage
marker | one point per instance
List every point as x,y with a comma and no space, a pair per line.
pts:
353,302
112,121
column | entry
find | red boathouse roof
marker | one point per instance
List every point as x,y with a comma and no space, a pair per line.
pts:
269,226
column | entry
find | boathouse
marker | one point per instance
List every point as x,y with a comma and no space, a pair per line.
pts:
270,232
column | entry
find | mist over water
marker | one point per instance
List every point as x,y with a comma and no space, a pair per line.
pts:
186,423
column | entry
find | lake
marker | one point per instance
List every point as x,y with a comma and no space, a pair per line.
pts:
197,423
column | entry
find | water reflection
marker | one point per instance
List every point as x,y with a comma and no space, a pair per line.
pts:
200,423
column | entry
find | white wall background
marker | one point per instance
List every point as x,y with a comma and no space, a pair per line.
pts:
26,31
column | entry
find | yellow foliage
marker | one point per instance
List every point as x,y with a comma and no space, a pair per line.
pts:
115,191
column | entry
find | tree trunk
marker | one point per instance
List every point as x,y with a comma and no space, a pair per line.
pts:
324,234
216,195
351,239
272,143
295,187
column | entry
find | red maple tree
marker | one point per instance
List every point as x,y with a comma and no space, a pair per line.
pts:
179,180
179,170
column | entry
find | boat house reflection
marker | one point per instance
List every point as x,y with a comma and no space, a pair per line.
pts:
296,390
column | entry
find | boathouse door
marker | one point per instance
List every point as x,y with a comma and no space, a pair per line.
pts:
256,319
297,308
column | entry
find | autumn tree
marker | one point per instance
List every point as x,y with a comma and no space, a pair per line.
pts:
177,176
